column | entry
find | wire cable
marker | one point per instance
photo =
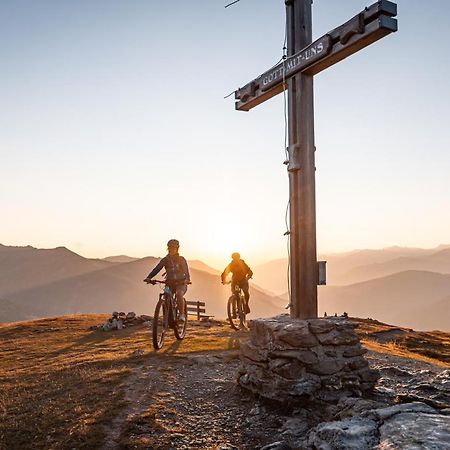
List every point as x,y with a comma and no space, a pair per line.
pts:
286,152
232,3
230,94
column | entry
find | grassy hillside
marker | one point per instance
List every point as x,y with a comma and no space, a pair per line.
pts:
433,347
61,385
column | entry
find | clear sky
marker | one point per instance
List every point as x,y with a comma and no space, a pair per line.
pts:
115,135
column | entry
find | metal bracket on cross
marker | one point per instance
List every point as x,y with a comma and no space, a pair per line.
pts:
370,25
294,162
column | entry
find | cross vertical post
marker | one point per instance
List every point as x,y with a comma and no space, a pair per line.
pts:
295,73
301,167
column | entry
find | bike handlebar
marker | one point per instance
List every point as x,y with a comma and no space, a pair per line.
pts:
229,282
165,282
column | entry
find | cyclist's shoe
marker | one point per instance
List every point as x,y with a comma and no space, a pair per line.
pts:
247,309
182,318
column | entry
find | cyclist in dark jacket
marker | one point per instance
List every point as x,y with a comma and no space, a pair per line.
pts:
241,274
177,274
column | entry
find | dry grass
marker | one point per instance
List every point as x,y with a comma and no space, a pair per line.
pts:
61,383
395,349
432,347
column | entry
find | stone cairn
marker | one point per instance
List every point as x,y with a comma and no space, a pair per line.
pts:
120,320
293,360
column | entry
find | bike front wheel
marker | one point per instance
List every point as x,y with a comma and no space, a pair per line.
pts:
234,312
160,322
180,326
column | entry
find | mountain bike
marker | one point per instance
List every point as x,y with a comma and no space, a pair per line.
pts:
166,315
236,309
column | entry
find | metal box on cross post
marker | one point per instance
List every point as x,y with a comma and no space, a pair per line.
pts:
322,273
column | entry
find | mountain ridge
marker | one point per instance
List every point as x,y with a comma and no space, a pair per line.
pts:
113,286
396,298
41,282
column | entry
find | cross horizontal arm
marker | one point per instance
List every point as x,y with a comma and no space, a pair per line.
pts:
362,30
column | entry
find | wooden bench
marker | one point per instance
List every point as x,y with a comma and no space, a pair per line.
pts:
197,309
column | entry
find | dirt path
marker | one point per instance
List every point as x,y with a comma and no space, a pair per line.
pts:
189,399
138,397
189,402
185,397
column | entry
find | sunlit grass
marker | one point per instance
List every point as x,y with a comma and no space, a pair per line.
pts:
399,350
60,382
432,347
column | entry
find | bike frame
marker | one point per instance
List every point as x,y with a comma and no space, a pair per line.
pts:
237,300
169,297
167,310
240,299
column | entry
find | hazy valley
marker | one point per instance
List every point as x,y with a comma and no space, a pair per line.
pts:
40,283
408,287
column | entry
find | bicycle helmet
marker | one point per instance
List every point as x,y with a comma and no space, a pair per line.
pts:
173,243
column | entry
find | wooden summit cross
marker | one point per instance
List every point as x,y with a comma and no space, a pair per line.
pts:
295,73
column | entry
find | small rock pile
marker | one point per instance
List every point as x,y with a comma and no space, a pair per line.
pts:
290,360
120,320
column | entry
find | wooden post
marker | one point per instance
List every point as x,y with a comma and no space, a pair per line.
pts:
198,310
301,167
306,59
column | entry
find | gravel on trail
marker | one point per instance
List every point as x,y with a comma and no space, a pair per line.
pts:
192,400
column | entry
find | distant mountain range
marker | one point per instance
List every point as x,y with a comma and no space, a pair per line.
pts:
409,287
39,283
24,268
435,262
360,265
120,259
406,286
413,298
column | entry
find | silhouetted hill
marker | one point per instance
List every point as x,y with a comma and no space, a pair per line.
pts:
272,275
38,283
200,265
11,311
359,265
435,318
120,287
120,259
414,299
23,268
435,262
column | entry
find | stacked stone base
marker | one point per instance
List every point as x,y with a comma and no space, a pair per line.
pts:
292,360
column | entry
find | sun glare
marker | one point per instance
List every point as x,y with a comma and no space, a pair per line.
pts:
219,242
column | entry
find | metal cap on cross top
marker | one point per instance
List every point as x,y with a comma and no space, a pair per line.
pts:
295,74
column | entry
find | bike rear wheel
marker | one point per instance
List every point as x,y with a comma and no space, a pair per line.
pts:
180,327
234,312
160,322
